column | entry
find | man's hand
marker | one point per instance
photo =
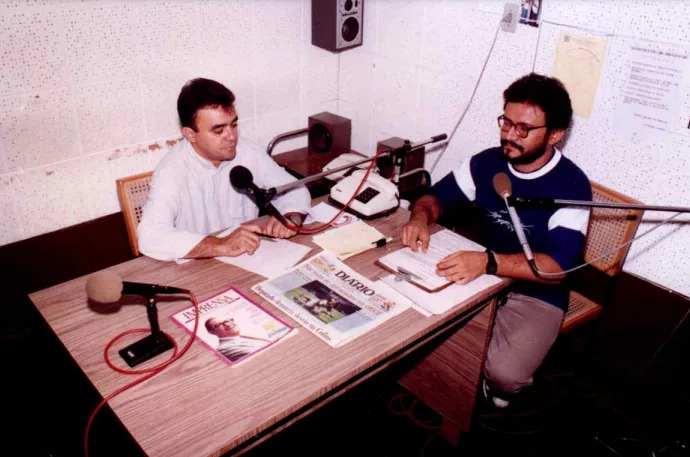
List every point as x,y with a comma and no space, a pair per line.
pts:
463,266
243,239
276,229
413,231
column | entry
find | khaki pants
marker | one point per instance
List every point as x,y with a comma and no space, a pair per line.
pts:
524,331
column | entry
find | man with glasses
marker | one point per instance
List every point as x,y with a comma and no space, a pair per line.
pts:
536,115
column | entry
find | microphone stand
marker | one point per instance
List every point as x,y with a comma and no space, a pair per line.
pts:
263,197
526,202
397,152
152,345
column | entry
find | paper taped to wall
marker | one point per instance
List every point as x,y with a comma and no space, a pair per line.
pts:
577,65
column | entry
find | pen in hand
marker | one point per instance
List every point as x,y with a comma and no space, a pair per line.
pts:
267,237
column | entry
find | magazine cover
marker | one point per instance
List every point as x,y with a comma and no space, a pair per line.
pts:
331,300
234,327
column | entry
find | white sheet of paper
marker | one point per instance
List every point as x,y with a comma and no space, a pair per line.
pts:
445,299
349,240
423,264
323,212
651,91
271,259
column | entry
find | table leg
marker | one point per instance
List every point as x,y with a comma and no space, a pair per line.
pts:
447,379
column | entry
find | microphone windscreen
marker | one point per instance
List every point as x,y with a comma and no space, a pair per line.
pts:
240,177
104,287
502,185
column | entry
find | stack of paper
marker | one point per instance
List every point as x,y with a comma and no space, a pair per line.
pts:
323,212
349,240
423,286
274,257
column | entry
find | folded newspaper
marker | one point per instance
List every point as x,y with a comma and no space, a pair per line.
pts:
331,300
234,327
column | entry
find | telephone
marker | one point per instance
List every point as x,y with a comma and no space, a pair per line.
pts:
342,159
377,197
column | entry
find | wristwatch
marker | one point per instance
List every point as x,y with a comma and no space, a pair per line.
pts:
491,266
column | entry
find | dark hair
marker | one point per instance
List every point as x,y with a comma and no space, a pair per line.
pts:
547,93
201,93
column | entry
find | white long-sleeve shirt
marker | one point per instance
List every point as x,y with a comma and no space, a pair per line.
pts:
191,198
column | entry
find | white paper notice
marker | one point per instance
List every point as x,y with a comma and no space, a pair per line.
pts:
442,301
323,212
578,65
650,92
273,258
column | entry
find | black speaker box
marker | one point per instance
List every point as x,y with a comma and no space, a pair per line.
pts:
329,133
337,25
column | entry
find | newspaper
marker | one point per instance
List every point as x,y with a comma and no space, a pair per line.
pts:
331,300
234,327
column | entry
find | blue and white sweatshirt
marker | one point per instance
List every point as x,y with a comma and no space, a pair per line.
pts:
557,232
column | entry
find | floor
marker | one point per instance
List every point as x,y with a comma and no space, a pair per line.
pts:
619,386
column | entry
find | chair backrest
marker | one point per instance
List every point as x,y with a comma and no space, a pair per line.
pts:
133,192
609,228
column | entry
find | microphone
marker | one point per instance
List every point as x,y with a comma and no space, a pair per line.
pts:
504,189
242,179
108,287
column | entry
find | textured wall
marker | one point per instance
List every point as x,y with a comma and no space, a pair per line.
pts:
415,74
88,90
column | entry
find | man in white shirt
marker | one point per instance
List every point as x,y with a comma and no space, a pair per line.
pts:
231,343
191,195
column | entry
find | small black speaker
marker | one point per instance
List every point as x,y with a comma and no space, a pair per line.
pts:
329,132
337,25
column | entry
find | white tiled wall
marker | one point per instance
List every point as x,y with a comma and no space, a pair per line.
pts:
88,92
421,60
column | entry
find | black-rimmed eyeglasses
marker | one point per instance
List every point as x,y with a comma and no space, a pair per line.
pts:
521,129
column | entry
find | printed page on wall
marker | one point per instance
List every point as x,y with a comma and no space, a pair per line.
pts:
578,64
650,94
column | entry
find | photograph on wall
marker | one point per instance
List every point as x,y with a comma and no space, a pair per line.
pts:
529,12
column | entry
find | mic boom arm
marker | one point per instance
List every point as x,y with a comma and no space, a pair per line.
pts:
402,149
527,202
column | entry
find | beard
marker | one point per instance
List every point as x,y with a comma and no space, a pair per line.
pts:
524,159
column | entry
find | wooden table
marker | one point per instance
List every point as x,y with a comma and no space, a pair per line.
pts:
200,406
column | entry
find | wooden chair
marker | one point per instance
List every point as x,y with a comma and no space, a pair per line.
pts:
608,228
133,192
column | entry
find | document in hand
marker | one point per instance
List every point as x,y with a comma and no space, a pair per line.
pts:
273,257
331,300
420,267
428,290
442,301
234,327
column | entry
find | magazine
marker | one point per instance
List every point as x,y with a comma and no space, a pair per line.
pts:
233,326
331,300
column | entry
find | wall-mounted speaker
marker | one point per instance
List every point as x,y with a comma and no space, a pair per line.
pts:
330,133
337,25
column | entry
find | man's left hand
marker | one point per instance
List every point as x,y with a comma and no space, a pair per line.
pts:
463,266
275,228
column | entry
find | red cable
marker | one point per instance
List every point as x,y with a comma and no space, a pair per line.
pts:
317,229
149,372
